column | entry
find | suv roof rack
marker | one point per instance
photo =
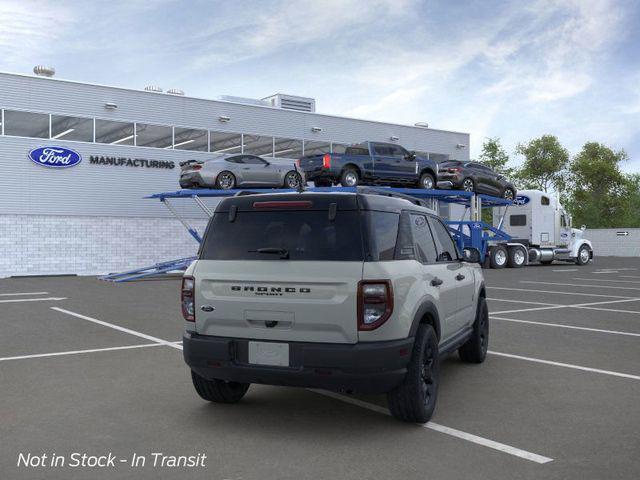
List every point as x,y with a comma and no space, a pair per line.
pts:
389,193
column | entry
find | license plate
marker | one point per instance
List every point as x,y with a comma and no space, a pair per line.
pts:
268,353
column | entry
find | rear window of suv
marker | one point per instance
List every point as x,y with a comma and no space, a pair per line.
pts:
304,235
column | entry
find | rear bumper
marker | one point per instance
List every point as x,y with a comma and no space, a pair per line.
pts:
374,367
320,173
445,184
189,180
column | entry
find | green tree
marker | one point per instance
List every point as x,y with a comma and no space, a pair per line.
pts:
545,164
494,156
631,218
599,194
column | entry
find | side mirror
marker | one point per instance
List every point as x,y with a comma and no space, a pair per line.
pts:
411,156
471,255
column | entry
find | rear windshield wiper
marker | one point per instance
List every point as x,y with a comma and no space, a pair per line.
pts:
283,252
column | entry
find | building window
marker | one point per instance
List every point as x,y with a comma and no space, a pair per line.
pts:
287,148
257,145
226,142
71,128
115,133
190,139
316,148
157,136
26,124
338,148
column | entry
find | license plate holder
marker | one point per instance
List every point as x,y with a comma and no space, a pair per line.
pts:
269,353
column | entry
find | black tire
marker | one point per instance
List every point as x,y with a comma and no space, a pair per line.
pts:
349,177
509,194
584,255
427,181
225,180
414,400
292,180
468,185
499,256
219,391
517,257
474,350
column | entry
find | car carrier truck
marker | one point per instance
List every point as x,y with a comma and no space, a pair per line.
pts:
540,231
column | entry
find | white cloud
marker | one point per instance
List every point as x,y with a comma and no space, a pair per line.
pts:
30,29
284,24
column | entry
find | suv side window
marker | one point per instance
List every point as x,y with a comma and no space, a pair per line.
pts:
397,151
383,235
253,160
359,150
425,248
447,251
383,150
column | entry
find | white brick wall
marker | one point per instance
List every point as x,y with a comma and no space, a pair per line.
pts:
50,245
607,242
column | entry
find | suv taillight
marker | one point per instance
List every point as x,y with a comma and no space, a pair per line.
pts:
326,160
187,298
375,303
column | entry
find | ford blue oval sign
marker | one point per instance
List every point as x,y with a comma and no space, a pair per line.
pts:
521,200
55,157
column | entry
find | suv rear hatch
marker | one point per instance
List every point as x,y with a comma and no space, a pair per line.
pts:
281,267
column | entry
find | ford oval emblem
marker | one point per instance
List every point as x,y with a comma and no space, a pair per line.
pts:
55,157
521,200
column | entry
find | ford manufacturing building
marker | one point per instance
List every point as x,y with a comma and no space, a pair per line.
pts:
91,217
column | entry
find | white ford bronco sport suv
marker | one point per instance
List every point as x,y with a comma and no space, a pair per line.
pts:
354,292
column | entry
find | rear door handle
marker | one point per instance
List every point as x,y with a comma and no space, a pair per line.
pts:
436,282
460,277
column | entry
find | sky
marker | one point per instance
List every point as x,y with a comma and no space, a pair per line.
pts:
509,69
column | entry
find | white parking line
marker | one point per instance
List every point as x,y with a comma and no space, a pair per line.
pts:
559,325
604,270
76,352
635,312
485,442
119,328
629,276
587,306
566,270
522,301
533,309
27,293
581,285
566,365
605,280
558,293
47,299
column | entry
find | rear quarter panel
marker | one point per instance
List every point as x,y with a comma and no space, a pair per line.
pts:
410,292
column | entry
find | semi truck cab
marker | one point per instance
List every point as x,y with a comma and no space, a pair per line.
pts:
540,226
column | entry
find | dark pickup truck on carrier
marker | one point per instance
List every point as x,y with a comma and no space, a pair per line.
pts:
370,163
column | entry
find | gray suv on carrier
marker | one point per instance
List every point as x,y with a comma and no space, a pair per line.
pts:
352,292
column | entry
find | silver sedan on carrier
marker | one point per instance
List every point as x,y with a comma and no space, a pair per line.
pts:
240,170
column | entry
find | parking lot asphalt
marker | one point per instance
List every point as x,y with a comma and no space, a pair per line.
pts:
93,367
